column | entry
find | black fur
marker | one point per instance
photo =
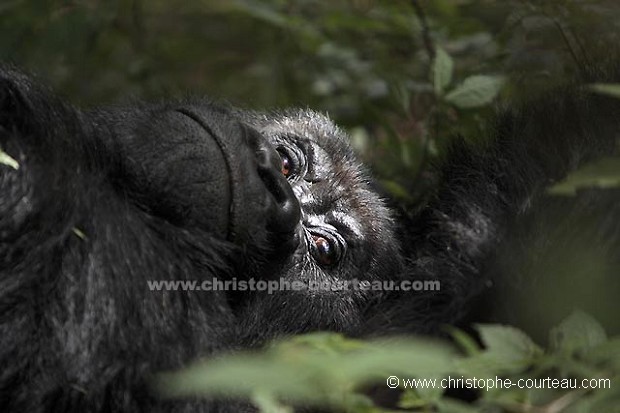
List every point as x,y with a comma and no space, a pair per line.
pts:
105,200
486,194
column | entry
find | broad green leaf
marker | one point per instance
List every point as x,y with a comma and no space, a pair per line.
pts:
609,89
323,342
608,353
579,332
266,403
6,159
475,91
507,342
417,358
432,393
604,173
443,66
240,375
508,350
320,369
411,400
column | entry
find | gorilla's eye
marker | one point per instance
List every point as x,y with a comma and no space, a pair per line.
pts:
326,249
290,161
287,164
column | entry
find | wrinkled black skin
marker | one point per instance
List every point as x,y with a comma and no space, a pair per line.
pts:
192,190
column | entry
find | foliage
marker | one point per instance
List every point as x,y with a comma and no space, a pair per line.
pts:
328,370
405,79
604,173
6,159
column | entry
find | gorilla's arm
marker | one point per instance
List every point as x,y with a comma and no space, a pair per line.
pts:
483,191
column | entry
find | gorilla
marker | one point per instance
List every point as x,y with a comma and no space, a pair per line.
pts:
106,200
97,204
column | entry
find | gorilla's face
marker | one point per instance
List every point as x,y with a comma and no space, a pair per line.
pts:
345,230
284,187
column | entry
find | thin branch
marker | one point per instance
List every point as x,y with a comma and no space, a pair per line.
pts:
426,33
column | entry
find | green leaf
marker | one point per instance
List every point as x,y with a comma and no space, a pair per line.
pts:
411,400
604,173
464,340
443,66
507,342
609,89
579,332
266,403
316,369
607,353
241,375
475,91
79,233
508,350
6,159
381,358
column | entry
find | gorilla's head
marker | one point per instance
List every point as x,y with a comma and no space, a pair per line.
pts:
285,189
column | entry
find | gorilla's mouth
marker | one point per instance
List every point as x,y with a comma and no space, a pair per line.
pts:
252,195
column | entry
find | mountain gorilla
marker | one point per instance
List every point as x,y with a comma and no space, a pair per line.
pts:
95,204
104,201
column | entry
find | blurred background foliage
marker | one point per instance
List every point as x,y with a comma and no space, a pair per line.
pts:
368,63
402,76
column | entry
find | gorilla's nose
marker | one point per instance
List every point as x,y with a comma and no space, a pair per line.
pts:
283,209
286,211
